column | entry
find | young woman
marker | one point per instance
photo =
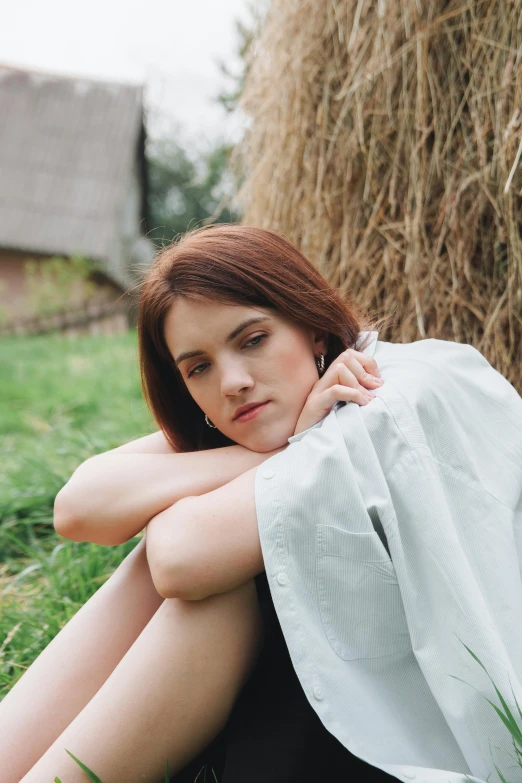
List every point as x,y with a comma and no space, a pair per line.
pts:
152,666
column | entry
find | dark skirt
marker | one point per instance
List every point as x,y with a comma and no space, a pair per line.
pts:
273,734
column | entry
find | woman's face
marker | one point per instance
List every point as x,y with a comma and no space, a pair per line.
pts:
272,360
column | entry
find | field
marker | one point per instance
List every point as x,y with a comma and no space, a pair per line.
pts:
61,401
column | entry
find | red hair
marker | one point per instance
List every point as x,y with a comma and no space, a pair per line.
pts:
232,264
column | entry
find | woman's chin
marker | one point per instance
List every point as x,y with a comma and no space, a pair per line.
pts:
266,442
268,437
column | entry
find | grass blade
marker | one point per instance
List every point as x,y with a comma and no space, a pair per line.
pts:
90,774
508,719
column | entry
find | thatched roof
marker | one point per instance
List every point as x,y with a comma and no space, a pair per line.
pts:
67,149
385,140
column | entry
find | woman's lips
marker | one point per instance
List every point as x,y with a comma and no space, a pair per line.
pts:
253,412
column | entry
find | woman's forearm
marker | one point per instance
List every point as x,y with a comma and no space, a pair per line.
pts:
112,496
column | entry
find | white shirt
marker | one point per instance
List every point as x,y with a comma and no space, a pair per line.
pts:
392,537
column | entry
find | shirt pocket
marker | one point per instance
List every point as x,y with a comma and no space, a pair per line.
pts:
358,594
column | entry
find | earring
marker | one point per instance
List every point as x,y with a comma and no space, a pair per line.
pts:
320,364
209,422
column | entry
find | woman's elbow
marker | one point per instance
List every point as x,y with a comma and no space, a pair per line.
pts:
69,523
68,503
65,519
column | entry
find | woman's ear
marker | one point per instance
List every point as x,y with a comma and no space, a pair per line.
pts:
320,341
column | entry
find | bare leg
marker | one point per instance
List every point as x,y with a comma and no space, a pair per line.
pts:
72,668
169,696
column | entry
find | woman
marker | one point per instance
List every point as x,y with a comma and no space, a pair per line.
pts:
153,664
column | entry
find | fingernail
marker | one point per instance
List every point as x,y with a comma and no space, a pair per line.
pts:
371,394
377,372
378,380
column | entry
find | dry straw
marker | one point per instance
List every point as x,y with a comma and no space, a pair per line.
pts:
384,140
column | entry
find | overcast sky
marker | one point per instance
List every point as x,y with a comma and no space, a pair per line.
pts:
170,46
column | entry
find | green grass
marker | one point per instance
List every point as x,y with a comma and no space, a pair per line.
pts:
62,400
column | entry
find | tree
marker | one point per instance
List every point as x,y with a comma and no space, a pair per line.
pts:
184,193
247,34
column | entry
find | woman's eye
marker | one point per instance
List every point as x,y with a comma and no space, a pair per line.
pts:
194,370
254,345
257,337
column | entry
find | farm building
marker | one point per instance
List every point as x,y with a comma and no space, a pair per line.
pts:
73,194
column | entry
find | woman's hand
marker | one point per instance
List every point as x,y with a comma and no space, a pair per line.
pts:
344,380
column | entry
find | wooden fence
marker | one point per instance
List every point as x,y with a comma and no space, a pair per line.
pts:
86,318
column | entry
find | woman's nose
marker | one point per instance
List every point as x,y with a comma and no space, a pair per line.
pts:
234,379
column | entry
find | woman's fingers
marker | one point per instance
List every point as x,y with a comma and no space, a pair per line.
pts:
349,379
363,367
369,364
359,368
343,384
347,371
346,378
340,393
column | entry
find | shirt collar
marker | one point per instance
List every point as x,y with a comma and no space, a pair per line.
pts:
372,344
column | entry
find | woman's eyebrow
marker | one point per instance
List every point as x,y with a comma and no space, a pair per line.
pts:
233,333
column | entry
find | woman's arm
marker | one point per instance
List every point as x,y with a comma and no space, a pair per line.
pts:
112,496
210,544
156,443
206,545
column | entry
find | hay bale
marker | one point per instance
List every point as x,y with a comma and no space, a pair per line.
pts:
385,140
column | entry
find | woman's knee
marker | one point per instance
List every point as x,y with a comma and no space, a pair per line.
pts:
232,621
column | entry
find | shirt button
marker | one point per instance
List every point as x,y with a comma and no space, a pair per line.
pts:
318,692
268,474
282,578
408,774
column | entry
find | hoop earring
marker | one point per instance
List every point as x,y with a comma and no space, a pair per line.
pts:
320,364
209,422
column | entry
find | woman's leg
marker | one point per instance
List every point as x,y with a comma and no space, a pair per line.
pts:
76,663
170,695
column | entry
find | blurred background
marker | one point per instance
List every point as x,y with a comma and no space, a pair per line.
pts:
382,137
116,125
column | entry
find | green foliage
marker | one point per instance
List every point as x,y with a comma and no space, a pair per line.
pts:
247,35
184,193
54,283
88,772
506,717
95,779
44,583
61,401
